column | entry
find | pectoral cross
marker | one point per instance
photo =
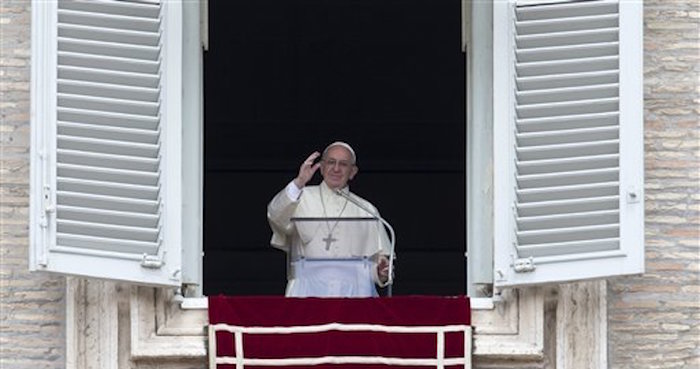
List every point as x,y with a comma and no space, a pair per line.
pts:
328,240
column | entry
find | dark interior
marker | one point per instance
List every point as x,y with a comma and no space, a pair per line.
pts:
286,77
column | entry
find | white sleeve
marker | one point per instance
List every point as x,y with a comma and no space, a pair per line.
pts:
293,192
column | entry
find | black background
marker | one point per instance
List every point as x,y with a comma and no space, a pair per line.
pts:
286,77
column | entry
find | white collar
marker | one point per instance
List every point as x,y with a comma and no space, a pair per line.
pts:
327,190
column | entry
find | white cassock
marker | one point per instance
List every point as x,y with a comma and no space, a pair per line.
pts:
327,257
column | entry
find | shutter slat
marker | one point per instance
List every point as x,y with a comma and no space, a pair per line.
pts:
569,220
108,21
107,160
108,104
107,216
108,132
562,94
554,67
567,206
112,63
567,52
108,146
564,122
85,200
111,35
566,24
128,247
567,80
569,150
131,9
567,10
567,164
107,118
591,106
568,178
586,36
125,190
112,77
107,231
567,192
569,248
568,234
107,174
108,49
103,90
554,137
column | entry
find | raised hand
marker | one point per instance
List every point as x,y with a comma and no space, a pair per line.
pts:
307,170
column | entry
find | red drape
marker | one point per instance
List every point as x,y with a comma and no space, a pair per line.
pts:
275,311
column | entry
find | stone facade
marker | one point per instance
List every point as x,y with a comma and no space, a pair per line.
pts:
32,306
653,320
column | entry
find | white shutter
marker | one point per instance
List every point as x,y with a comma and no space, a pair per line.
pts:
106,132
568,141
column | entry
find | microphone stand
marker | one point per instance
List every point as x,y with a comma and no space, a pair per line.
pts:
390,280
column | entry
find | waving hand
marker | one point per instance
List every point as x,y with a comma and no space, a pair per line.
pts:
307,170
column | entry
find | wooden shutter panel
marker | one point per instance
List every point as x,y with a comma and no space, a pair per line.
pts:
106,166
568,141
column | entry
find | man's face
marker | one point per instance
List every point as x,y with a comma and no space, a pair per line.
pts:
337,167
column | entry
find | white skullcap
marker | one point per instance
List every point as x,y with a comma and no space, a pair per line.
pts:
344,145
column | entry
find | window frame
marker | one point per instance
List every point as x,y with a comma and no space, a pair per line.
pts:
194,44
482,99
479,149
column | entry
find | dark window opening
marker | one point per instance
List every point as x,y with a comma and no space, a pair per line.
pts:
284,78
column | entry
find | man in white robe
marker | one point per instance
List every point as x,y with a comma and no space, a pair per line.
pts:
328,254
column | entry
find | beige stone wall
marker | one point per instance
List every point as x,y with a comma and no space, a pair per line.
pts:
31,305
654,320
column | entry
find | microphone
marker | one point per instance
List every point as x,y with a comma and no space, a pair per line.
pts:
374,214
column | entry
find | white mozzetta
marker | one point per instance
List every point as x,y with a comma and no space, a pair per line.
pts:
106,187
568,140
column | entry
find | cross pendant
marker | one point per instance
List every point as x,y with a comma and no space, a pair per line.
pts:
328,240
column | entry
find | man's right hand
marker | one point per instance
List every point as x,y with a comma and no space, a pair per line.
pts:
307,170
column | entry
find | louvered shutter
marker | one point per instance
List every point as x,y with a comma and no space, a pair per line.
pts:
568,141
106,131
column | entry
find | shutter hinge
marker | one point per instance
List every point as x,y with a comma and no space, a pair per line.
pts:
524,265
152,262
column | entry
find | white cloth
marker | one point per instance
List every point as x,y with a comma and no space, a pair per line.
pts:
353,239
332,278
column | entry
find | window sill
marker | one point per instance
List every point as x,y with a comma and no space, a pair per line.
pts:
481,303
201,303
194,303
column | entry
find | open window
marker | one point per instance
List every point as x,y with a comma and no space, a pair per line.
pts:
106,170
283,78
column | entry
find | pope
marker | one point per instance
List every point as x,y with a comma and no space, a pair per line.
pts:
335,245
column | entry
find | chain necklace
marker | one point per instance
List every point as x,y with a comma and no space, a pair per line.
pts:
328,240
